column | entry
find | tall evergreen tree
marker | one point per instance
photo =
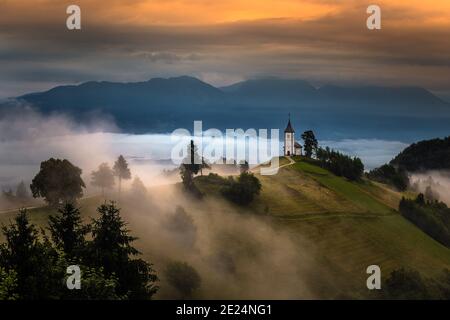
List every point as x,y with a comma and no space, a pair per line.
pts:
68,232
190,166
310,143
112,249
121,171
32,261
192,162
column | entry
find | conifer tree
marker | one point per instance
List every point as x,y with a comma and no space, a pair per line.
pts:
121,171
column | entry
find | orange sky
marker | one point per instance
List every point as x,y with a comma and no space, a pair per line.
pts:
148,12
210,11
224,41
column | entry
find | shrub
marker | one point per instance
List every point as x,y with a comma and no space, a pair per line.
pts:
243,189
183,277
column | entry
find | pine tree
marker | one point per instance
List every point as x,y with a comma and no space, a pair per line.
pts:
68,232
121,171
193,162
310,143
32,261
112,249
190,166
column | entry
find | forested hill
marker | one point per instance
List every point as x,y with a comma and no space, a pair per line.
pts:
425,155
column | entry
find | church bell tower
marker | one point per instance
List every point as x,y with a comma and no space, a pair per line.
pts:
289,139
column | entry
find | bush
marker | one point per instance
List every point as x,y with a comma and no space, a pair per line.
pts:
243,189
182,227
183,277
406,284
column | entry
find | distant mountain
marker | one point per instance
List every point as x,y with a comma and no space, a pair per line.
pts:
110,95
367,99
393,100
154,105
268,91
162,105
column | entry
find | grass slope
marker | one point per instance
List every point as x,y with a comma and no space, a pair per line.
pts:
351,224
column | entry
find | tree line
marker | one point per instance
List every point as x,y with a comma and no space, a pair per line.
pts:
431,216
424,155
431,154
388,174
340,164
59,181
19,196
409,284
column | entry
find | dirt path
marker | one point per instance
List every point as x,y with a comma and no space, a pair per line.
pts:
38,206
291,162
274,170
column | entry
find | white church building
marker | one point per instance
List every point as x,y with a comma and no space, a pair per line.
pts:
291,147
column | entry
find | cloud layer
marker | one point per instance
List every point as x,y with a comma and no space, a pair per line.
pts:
222,42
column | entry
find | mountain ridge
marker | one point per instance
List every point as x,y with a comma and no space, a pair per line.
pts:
165,104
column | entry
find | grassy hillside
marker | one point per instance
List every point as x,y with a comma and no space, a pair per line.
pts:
361,228
348,226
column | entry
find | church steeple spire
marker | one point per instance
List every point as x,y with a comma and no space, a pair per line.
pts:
289,126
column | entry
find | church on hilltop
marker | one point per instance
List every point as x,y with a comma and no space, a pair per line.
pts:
291,147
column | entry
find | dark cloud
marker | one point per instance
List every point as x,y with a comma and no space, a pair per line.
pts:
336,47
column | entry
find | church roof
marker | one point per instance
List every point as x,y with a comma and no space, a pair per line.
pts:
297,145
289,127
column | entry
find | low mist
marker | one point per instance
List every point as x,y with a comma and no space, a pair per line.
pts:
435,185
238,255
